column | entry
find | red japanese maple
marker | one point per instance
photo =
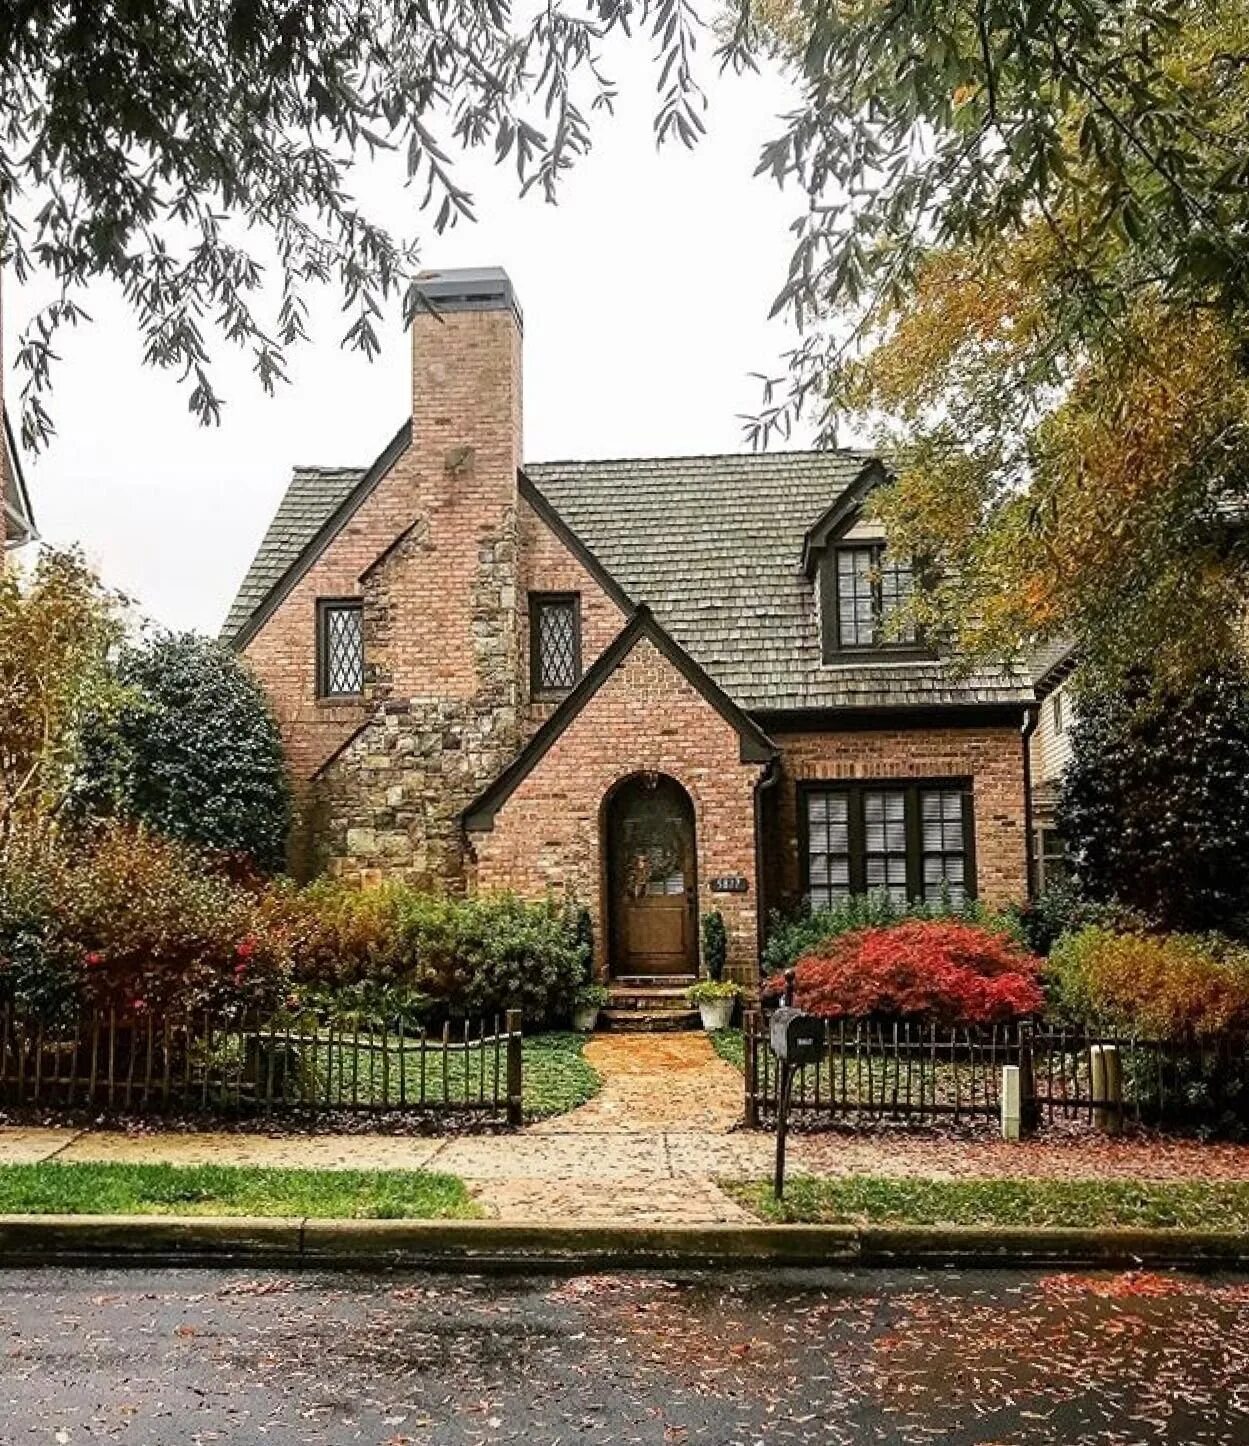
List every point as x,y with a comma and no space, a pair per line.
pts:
941,970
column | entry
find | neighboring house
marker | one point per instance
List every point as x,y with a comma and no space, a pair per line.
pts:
1050,754
17,524
663,686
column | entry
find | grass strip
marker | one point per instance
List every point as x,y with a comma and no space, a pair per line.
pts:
88,1189
730,1045
871,1200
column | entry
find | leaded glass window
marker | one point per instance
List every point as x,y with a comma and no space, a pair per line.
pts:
874,592
340,649
555,642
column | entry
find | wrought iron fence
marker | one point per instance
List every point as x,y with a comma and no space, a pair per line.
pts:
875,1070
211,1064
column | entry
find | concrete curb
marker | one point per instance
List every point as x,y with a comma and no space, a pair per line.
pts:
497,1245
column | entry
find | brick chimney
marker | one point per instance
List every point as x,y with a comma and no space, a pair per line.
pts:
441,602
448,625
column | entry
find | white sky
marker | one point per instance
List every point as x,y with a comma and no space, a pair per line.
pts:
645,293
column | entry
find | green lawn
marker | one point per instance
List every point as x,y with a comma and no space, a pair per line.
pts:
863,1199
339,1070
72,1189
557,1077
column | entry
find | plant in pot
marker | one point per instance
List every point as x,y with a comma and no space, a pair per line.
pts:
586,1003
715,996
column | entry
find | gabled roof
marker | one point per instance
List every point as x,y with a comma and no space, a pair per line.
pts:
19,519
756,746
318,502
716,546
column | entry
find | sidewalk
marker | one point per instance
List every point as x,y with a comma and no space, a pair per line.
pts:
646,1150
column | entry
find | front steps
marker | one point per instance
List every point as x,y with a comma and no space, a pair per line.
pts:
645,1004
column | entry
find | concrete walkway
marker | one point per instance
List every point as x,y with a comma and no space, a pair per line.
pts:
647,1149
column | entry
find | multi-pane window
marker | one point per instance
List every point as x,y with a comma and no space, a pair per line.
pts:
909,841
554,643
873,597
944,843
828,848
884,843
340,648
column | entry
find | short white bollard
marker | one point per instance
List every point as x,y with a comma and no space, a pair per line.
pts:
1012,1103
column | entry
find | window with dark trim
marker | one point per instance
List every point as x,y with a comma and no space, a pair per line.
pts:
867,595
340,648
554,643
908,840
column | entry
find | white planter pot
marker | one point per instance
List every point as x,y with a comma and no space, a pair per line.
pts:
584,1018
716,1013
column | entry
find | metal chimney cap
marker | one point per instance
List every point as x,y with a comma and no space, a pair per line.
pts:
470,288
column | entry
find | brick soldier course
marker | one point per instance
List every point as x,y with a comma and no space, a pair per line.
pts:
713,643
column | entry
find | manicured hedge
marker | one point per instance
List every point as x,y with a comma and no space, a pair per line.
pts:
945,971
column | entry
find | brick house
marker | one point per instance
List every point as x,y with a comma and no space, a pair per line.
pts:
663,686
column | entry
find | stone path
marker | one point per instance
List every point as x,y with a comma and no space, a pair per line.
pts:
648,1148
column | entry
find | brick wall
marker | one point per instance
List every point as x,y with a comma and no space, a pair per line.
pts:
442,609
547,837
992,757
546,565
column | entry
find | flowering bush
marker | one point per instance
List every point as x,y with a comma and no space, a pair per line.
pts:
946,971
805,931
158,929
1160,986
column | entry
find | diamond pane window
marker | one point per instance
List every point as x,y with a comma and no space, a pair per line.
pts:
340,650
554,642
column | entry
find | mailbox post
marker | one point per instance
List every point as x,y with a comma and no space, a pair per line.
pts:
797,1039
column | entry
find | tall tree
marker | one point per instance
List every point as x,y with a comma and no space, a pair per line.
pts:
1024,259
1155,802
56,636
195,751
167,147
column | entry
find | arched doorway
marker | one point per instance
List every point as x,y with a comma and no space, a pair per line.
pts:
652,885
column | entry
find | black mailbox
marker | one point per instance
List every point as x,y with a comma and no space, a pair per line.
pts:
797,1038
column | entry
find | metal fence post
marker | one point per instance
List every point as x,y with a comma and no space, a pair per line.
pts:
515,1069
1029,1110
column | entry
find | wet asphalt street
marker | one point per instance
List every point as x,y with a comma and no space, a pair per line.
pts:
193,1356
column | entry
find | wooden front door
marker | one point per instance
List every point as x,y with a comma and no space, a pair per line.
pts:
653,890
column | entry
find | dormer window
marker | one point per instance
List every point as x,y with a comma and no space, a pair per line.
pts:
867,594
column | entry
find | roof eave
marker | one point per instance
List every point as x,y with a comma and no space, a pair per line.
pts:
754,745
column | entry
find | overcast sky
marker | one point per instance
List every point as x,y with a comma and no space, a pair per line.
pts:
645,294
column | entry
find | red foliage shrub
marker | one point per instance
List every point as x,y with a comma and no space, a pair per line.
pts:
945,971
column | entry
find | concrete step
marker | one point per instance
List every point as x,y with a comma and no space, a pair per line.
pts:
654,999
648,1021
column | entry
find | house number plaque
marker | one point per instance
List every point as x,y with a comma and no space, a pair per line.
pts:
728,884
